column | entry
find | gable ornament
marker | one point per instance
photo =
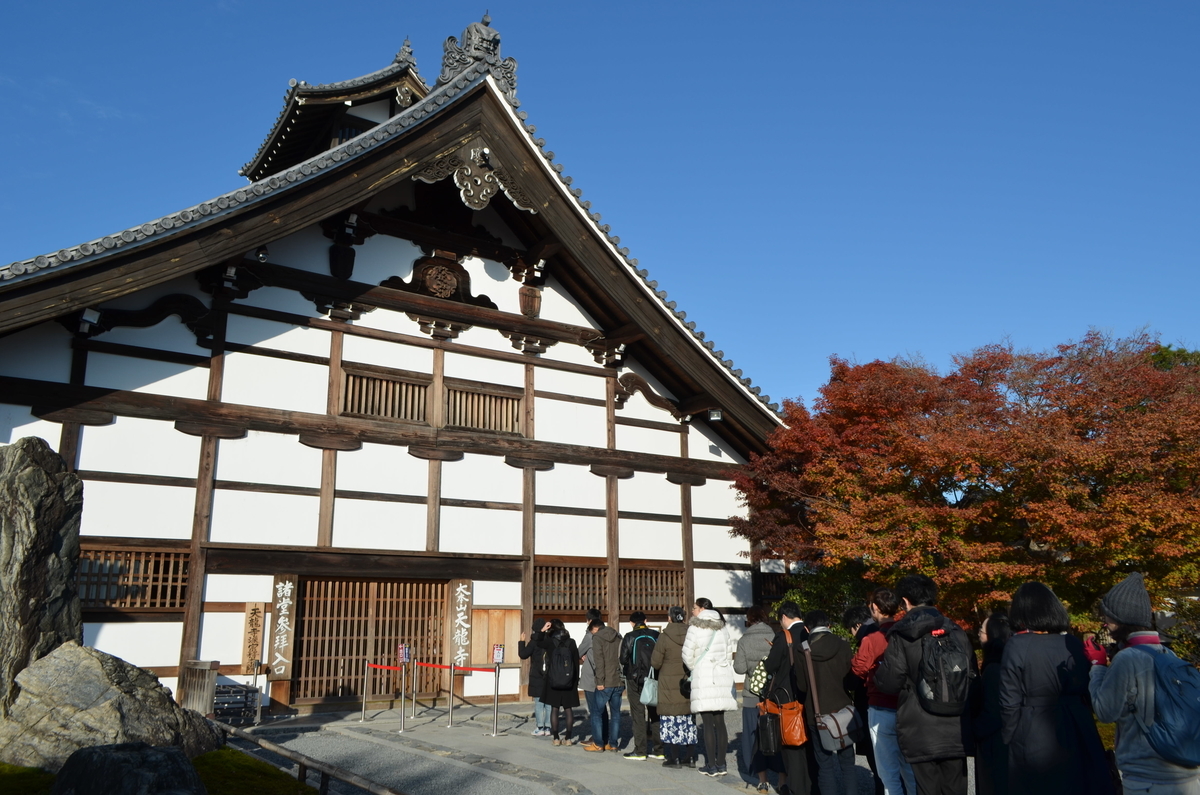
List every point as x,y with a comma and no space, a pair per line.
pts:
477,177
480,45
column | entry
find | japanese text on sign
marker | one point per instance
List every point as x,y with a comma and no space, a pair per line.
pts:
460,639
283,633
498,653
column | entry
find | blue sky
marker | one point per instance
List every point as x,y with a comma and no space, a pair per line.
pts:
866,179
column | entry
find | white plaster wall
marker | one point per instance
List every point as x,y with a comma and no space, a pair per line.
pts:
486,338
238,587
657,540
772,567
16,423
715,544
547,379
264,457
149,447
724,588
132,510
556,534
577,630
559,305
704,443
735,623
169,335
387,320
573,354
42,353
493,593
382,468
481,477
366,524
571,486
275,383
140,643
282,299
492,279
647,440
480,531
647,492
716,499
481,686
490,371
632,365
221,637
143,375
281,336
247,517
381,257
490,220
386,354
306,250
570,423
372,111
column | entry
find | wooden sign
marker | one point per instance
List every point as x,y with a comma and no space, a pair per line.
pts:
283,629
460,626
252,635
403,654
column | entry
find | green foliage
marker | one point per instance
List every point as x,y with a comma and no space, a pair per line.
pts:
1166,357
228,771
24,780
833,588
1187,631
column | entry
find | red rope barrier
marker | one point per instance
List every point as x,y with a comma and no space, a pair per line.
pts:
385,667
431,665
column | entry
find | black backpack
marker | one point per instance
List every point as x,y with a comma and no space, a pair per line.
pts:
641,651
560,666
944,675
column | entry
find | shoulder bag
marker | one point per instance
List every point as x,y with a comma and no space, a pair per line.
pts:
781,720
837,730
649,695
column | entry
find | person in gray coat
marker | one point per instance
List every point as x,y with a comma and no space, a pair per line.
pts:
752,648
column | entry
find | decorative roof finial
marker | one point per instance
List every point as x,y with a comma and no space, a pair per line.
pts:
487,20
480,45
405,56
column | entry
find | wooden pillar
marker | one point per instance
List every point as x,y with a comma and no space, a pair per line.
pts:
436,412
611,505
70,437
528,516
685,511
329,457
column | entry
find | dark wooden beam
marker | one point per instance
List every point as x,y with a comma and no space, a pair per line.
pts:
230,559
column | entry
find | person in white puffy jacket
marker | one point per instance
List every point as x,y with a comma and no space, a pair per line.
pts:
708,654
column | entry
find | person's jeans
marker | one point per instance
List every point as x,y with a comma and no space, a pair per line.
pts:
590,695
894,770
610,698
541,714
835,769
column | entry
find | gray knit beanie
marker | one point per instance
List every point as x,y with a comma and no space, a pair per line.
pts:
1128,603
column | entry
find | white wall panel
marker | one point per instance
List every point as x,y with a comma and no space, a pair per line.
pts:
716,499
381,257
570,486
387,320
488,370
570,423
556,534
481,477
221,637
704,443
559,305
488,338
386,354
306,250
169,335
280,336
546,379
247,517
715,544
143,375
479,684
264,457
647,440
238,587
149,447
648,492
724,588
382,468
480,531
572,354
283,300
42,353
275,383
367,524
16,423
495,281
656,540
141,643
497,594
132,510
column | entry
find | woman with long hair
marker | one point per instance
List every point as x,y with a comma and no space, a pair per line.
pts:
675,724
1046,717
708,654
991,752
564,698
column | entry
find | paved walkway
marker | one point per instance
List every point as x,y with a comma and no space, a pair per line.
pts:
431,759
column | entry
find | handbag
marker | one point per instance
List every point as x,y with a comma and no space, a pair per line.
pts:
649,695
837,730
757,682
770,734
786,713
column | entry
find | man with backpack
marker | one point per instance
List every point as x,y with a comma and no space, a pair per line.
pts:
637,647
930,666
1152,695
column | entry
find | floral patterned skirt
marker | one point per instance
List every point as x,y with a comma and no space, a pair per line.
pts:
677,729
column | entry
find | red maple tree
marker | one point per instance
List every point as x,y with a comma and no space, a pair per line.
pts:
1072,467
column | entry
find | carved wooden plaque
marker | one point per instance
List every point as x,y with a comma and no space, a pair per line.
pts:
252,635
283,629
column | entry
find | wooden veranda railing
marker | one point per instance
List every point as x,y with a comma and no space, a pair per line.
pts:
133,579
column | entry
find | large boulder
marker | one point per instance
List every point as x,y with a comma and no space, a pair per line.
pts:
128,769
76,697
40,506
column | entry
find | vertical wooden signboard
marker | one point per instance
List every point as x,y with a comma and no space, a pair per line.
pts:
283,628
252,635
458,644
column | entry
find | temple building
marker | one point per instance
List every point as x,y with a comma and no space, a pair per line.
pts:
403,387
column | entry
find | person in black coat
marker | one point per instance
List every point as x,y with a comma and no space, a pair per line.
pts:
1045,713
568,698
991,752
784,677
536,655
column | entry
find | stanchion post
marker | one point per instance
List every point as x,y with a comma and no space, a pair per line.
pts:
415,666
496,704
366,686
450,723
403,674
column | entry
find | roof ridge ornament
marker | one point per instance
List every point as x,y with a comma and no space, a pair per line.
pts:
480,44
405,56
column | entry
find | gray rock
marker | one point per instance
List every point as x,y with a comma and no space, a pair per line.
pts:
77,697
40,506
128,769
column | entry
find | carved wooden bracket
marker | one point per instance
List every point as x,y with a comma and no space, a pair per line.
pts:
632,382
228,282
438,329
435,454
191,310
606,353
685,480
477,177
538,464
328,441
210,429
336,308
603,470
440,276
527,343
346,230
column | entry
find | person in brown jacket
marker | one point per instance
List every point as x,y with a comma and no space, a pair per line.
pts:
676,725
606,656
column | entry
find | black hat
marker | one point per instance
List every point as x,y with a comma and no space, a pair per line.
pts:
1128,602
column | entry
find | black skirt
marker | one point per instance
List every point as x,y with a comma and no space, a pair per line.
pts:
560,698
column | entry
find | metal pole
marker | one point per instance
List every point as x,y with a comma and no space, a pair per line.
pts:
366,686
414,690
450,724
403,674
496,705
258,696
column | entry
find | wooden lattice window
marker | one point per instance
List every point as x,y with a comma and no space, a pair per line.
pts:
568,589
374,396
133,579
650,590
483,411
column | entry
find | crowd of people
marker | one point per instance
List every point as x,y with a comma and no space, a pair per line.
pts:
909,694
